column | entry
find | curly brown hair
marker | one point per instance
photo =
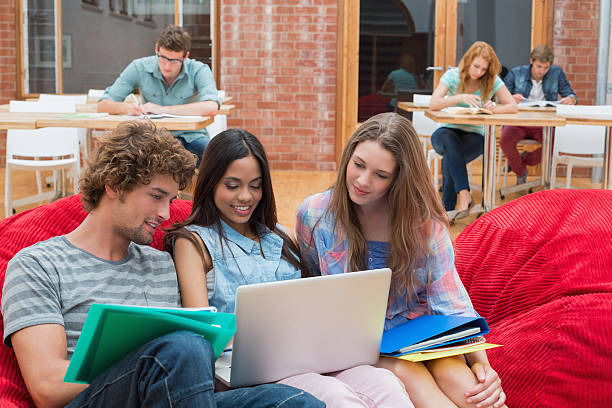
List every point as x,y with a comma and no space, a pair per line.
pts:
133,154
174,38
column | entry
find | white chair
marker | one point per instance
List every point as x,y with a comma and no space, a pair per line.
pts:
39,150
95,93
422,124
42,107
573,140
52,103
219,125
424,128
220,121
52,98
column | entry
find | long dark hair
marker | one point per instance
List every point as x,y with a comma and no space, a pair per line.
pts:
227,146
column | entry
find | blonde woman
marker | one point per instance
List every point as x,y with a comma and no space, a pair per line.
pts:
473,83
383,212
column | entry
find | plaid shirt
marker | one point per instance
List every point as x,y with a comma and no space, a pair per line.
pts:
438,290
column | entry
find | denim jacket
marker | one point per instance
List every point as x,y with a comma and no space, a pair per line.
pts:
518,80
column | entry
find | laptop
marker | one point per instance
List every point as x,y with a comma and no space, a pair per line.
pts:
320,324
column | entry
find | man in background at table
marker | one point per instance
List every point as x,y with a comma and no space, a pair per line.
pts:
127,189
538,81
168,82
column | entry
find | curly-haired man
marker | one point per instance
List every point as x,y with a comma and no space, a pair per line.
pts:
127,190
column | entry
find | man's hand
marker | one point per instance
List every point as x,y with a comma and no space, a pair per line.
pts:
488,392
518,97
150,107
132,109
568,100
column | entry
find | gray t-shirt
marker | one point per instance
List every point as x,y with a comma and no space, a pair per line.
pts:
54,282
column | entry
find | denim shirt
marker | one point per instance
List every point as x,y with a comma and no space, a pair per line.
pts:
195,83
518,81
237,260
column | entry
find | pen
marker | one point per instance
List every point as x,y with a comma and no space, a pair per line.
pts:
133,98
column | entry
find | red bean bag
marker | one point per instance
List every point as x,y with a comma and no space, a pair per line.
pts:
539,269
28,228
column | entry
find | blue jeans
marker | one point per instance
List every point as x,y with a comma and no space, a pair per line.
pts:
177,370
457,148
196,146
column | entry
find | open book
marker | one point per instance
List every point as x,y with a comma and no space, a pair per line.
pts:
458,110
531,102
169,115
111,332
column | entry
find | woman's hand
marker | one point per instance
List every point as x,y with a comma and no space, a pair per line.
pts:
490,106
488,392
472,100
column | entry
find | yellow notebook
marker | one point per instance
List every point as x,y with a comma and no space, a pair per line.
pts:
447,352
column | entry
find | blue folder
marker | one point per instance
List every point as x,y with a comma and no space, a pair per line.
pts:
427,327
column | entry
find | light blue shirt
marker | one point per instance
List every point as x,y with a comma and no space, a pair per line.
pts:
452,80
195,83
238,260
403,80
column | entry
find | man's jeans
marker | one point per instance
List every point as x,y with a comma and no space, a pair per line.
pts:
196,146
177,370
457,148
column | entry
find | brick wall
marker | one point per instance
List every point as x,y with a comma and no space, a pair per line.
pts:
575,38
278,60
8,66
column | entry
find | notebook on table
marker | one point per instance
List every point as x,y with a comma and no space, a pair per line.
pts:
321,324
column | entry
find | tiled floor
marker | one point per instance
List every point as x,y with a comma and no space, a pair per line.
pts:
290,188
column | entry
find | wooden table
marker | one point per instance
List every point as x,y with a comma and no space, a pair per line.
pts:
550,109
19,120
411,107
598,120
544,119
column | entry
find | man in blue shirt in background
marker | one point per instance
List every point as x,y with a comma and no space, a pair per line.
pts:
168,82
538,81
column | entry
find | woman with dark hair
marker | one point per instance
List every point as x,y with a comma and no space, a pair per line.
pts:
473,83
383,212
232,226
232,238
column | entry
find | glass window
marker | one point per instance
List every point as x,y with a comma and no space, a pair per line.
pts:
39,46
197,22
100,38
125,30
491,21
395,48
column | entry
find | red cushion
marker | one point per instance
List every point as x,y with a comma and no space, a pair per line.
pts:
27,228
539,269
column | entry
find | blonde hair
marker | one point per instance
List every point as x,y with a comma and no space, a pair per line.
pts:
487,81
413,202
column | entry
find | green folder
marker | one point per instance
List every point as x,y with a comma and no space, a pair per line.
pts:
111,332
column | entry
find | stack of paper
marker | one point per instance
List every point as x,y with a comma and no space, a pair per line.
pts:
429,337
